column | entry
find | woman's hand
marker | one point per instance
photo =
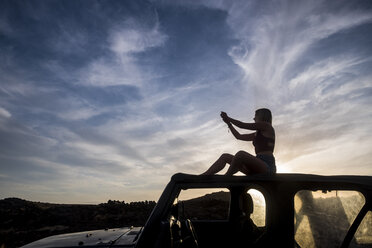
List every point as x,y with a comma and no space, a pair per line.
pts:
225,118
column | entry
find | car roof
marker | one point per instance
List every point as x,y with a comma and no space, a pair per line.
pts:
299,180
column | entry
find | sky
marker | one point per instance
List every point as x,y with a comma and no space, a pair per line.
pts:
108,99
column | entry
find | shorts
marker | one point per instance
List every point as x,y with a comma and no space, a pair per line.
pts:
269,160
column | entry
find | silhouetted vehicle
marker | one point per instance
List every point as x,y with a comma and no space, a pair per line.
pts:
284,210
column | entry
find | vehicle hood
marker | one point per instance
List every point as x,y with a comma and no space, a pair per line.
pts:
125,236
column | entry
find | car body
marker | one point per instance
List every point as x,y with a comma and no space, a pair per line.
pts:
333,209
98,238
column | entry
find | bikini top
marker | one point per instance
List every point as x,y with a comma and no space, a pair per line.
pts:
262,143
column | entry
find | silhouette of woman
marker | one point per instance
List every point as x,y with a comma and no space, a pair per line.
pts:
263,140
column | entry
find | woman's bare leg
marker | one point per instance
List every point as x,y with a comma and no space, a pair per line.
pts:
219,164
246,163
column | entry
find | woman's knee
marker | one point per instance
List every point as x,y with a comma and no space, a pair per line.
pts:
227,157
242,157
240,154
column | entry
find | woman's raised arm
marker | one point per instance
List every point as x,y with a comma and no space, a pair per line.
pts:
237,135
250,126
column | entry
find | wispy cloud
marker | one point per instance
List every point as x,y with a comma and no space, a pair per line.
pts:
4,113
118,98
309,92
121,67
132,39
274,43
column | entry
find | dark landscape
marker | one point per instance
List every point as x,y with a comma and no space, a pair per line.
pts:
22,222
